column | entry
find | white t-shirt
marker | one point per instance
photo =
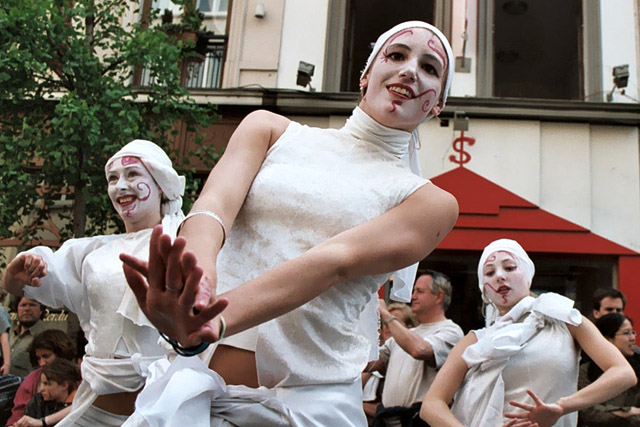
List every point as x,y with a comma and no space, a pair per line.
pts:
407,379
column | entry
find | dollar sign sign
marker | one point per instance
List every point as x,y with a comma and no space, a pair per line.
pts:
458,146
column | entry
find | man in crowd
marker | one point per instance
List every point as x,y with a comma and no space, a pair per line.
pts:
29,324
412,356
607,301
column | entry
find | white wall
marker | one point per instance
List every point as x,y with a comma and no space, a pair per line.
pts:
303,39
565,187
464,84
619,44
615,187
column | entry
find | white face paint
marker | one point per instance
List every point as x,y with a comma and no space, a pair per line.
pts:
504,280
405,80
134,194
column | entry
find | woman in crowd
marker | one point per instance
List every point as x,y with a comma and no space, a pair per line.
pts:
46,347
623,409
530,351
85,275
317,219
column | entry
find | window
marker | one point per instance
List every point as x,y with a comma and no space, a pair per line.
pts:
535,49
354,26
213,7
207,7
366,20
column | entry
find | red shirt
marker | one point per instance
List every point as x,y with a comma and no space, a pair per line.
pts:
28,388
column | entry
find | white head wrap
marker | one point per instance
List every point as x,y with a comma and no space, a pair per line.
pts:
514,249
161,169
403,279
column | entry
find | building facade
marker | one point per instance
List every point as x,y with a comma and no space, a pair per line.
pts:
538,142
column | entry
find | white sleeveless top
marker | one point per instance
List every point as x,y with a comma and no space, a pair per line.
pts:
314,184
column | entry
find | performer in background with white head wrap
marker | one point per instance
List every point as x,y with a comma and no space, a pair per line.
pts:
317,220
526,359
85,275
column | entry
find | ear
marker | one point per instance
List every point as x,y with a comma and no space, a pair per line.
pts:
364,81
440,297
437,109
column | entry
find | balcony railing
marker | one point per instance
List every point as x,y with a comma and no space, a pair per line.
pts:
203,71
206,74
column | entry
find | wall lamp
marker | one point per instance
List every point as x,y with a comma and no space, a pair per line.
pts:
305,72
620,80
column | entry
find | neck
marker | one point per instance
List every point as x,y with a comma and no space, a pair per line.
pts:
24,327
141,225
431,316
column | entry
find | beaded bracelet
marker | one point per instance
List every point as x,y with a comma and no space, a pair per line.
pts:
211,215
197,349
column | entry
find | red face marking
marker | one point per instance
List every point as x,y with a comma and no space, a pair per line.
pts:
129,160
504,297
431,96
142,186
434,45
385,54
491,258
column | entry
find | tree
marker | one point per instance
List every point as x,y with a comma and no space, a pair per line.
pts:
67,103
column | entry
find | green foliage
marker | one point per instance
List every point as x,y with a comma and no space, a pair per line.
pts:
67,103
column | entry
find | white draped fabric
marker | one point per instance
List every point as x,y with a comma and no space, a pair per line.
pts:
529,347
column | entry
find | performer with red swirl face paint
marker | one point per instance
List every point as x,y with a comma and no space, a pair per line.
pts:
522,369
85,275
313,221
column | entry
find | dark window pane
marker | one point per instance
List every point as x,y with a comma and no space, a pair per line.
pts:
537,45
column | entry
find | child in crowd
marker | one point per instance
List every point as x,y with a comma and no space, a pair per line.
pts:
59,381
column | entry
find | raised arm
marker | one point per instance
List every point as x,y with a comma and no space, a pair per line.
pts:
617,377
411,231
412,343
404,235
435,405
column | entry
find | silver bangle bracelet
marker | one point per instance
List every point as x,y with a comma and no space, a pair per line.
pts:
211,215
389,320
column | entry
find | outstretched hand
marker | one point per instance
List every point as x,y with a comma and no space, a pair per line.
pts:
538,415
27,269
172,291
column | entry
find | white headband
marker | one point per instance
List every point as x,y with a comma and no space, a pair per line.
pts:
513,248
161,169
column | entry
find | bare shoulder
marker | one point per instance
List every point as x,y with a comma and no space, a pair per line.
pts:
430,193
266,121
432,200
584,329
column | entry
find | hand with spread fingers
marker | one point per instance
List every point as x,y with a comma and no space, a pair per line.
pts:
173,293
540,414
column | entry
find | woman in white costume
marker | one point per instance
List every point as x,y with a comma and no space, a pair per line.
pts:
317,220
85,275
529,353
